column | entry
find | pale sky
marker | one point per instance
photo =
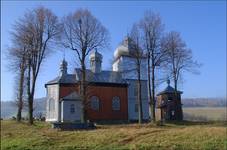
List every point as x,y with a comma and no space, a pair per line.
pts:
202,26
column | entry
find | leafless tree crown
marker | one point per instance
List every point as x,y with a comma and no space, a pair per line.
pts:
82,32
179,57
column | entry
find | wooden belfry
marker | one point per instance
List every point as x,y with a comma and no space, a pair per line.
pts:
169,104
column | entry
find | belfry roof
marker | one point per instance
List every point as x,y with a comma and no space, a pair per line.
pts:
169,89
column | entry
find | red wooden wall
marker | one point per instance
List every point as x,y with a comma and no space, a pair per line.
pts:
105,95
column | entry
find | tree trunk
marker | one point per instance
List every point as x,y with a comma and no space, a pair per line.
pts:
139,96
179,106
153,92
149,84
30,92
21,91
19,110
31,98
175,82
30,111
83,92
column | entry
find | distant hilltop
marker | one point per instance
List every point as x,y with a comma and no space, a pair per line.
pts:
8,108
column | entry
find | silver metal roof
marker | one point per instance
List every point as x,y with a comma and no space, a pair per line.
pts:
67,78
102,77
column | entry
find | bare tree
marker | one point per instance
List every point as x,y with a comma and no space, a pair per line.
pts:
179,59
39,28
82,32
17,58
138,54
152,29
19,91
19,65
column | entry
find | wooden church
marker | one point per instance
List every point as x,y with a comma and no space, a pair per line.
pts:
112,94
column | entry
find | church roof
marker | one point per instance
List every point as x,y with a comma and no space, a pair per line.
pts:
169,89
102,77
111,77
71,96
67,78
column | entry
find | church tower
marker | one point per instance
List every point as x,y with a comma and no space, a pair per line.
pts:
169,104
96,62
125,64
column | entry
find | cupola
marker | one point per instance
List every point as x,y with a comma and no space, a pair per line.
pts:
96,62
63,67
123,48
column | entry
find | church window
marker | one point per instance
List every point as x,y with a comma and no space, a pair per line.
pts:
94,103
72,108
116,103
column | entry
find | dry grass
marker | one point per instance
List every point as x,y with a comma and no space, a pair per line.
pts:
171,136
205,113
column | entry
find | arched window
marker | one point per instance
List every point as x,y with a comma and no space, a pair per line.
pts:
72,108
116,103
94,103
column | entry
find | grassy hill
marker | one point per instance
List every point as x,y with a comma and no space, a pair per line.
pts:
184,136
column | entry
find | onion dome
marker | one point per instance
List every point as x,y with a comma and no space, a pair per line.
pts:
124,48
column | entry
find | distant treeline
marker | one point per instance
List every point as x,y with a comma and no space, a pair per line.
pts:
204,102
